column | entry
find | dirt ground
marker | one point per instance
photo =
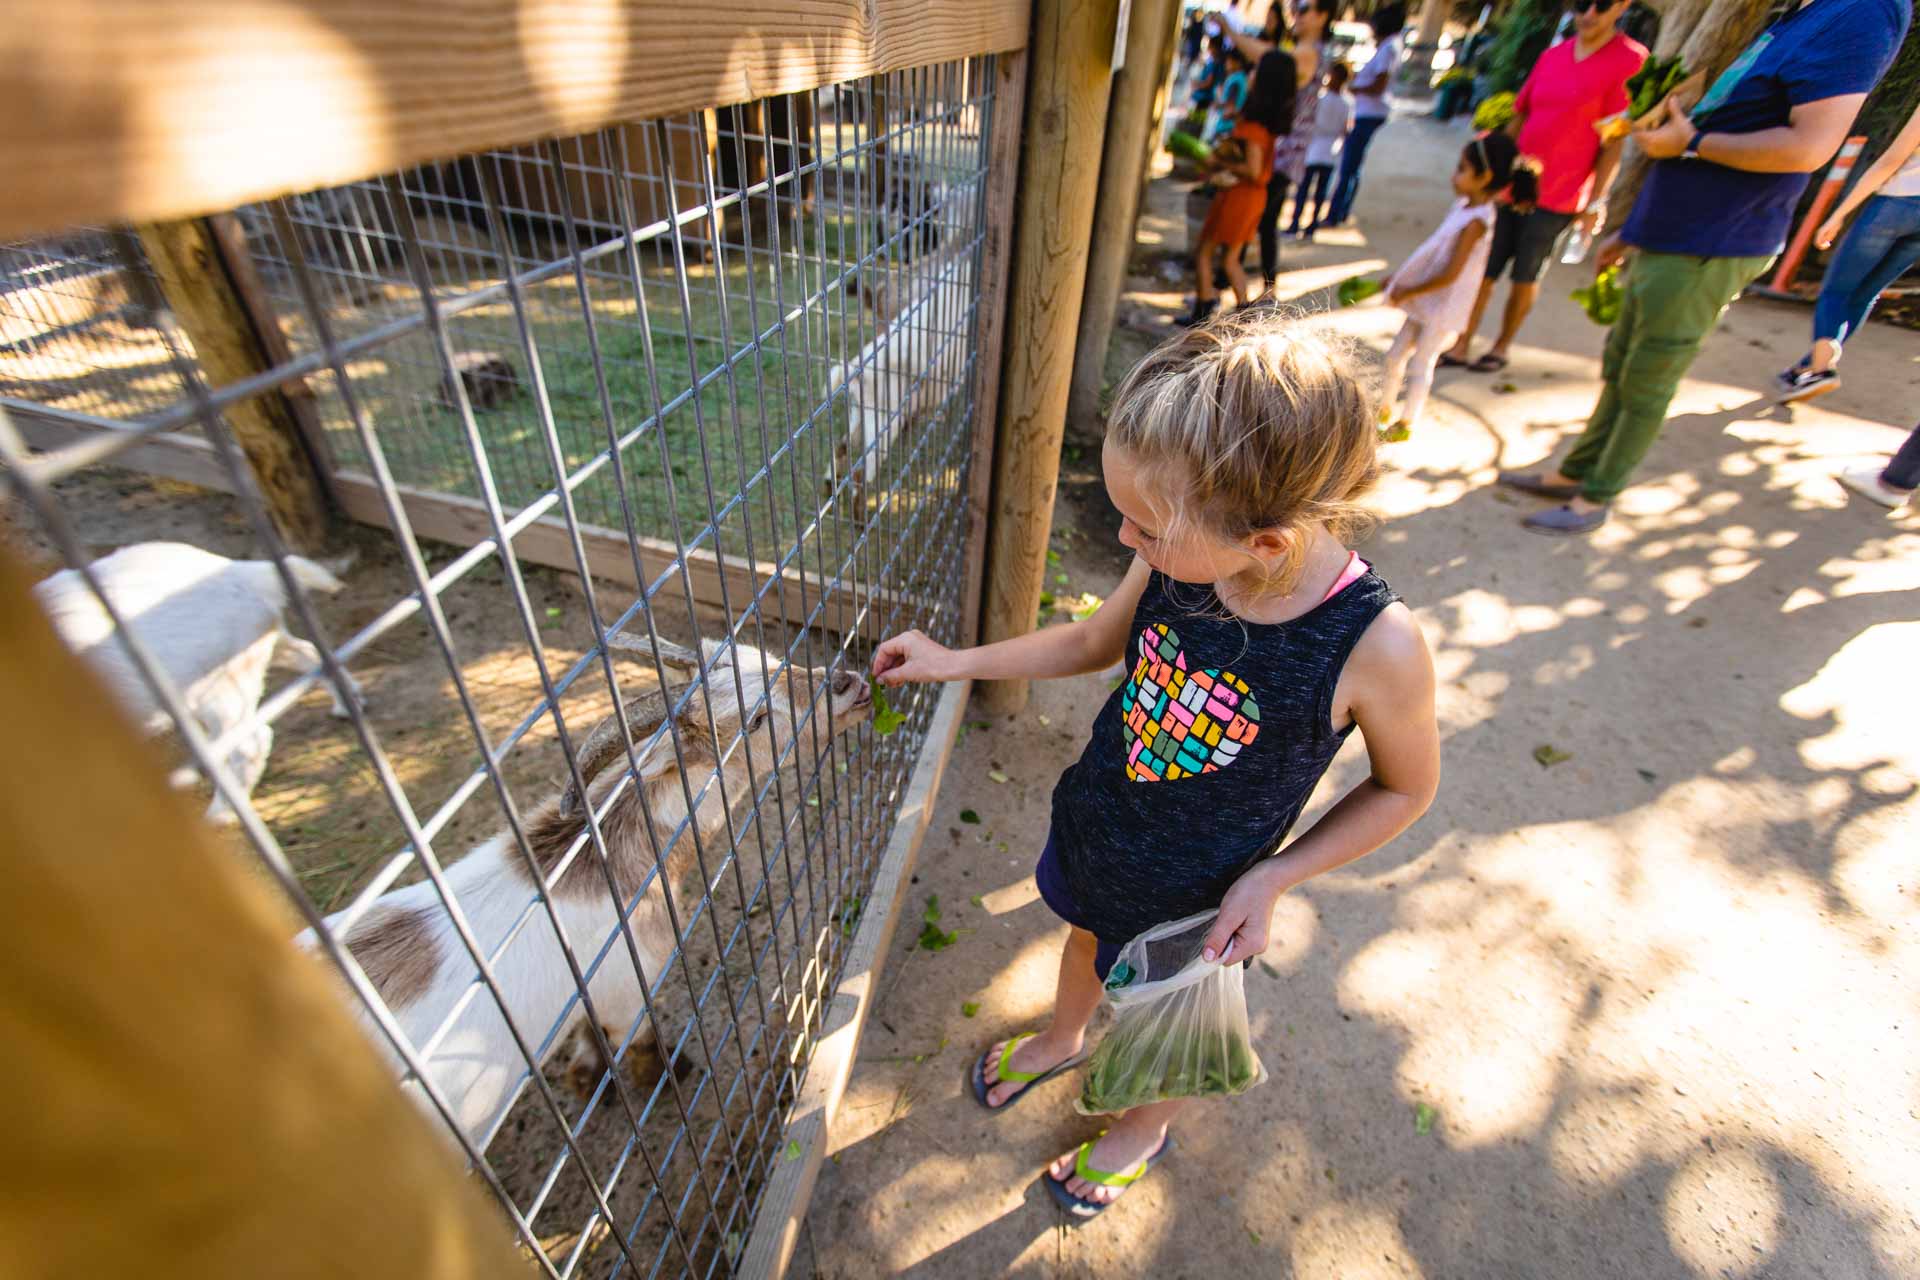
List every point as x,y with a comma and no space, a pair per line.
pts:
1659,997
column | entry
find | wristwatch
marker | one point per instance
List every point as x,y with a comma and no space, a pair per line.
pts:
1693,145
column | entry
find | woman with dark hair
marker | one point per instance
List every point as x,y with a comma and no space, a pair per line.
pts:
1369,105
1244,162
1308,29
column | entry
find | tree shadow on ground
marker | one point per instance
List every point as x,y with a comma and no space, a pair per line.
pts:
1613,978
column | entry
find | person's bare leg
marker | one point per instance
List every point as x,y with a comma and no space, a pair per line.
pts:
1203,289
1237,278
1134,1136
1520,300
1076,995
1459,349
1825,355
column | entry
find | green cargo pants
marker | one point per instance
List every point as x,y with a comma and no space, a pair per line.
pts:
1670,305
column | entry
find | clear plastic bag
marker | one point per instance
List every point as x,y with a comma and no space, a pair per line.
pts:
1181,1029
1572,245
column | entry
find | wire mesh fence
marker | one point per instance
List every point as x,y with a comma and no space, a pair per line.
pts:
586,849
78,316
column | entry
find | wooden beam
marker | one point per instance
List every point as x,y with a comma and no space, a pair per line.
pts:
230,239
1003,172
165,453
783,1205
720,583
1069,61
190,264
1133,132
143,110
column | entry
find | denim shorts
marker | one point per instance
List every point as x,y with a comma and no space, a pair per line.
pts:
1052,880
1525,240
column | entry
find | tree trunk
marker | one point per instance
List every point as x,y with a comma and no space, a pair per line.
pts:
1708,35
1134,111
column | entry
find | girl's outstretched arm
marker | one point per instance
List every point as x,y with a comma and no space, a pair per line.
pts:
1072,649
1390,675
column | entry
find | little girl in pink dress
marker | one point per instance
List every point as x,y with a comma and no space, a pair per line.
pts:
1437,283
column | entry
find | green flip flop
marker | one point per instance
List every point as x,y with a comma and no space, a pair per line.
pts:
984,1075
1082,1208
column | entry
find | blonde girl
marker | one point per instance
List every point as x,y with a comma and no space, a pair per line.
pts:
1255,642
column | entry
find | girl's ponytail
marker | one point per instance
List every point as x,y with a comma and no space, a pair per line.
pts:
1524,184
1498,155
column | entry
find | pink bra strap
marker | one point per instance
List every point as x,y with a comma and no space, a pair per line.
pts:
1355,570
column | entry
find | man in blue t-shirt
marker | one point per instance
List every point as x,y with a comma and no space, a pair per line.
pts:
1714,211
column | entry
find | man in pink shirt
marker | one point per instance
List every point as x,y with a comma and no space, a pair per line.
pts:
1576,82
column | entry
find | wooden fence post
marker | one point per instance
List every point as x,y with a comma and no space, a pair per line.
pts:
1069,73
211,306
1003,173
1133,131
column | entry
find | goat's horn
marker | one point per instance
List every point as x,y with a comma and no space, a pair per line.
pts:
600,749
671,654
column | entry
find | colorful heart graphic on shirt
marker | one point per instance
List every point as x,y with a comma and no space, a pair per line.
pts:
1178,722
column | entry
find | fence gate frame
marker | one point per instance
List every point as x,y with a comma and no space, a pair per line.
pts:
158,115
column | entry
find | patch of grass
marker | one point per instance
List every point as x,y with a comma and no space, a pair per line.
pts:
700,452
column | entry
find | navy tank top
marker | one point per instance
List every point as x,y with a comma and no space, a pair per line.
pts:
1202,759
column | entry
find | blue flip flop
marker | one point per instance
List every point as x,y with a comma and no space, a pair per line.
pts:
1083,1209
979,1077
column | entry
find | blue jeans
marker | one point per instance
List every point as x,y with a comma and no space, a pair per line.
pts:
1347,186
1904,471
1313,195
1877,250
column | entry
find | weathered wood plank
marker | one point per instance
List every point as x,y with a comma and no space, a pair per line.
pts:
722,583
165,453
1003,173
1067,84
1133,134
137,110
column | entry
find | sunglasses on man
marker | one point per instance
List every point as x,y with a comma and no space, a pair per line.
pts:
1599,6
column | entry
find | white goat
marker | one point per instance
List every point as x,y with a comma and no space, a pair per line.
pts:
211,624
914,360
409,950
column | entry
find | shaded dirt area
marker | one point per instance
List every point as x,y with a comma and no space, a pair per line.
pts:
1659,997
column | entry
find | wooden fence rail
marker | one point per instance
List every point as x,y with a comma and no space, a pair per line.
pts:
136,110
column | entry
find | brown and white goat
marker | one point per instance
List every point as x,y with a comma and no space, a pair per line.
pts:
409,949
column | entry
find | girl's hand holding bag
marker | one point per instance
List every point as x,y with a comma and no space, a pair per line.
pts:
1181,1030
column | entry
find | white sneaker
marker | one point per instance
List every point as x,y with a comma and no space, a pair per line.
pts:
1796,384
1866,482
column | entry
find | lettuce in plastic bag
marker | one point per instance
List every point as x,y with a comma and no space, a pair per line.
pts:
1181,1029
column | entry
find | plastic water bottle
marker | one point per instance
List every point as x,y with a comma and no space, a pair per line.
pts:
1574,244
